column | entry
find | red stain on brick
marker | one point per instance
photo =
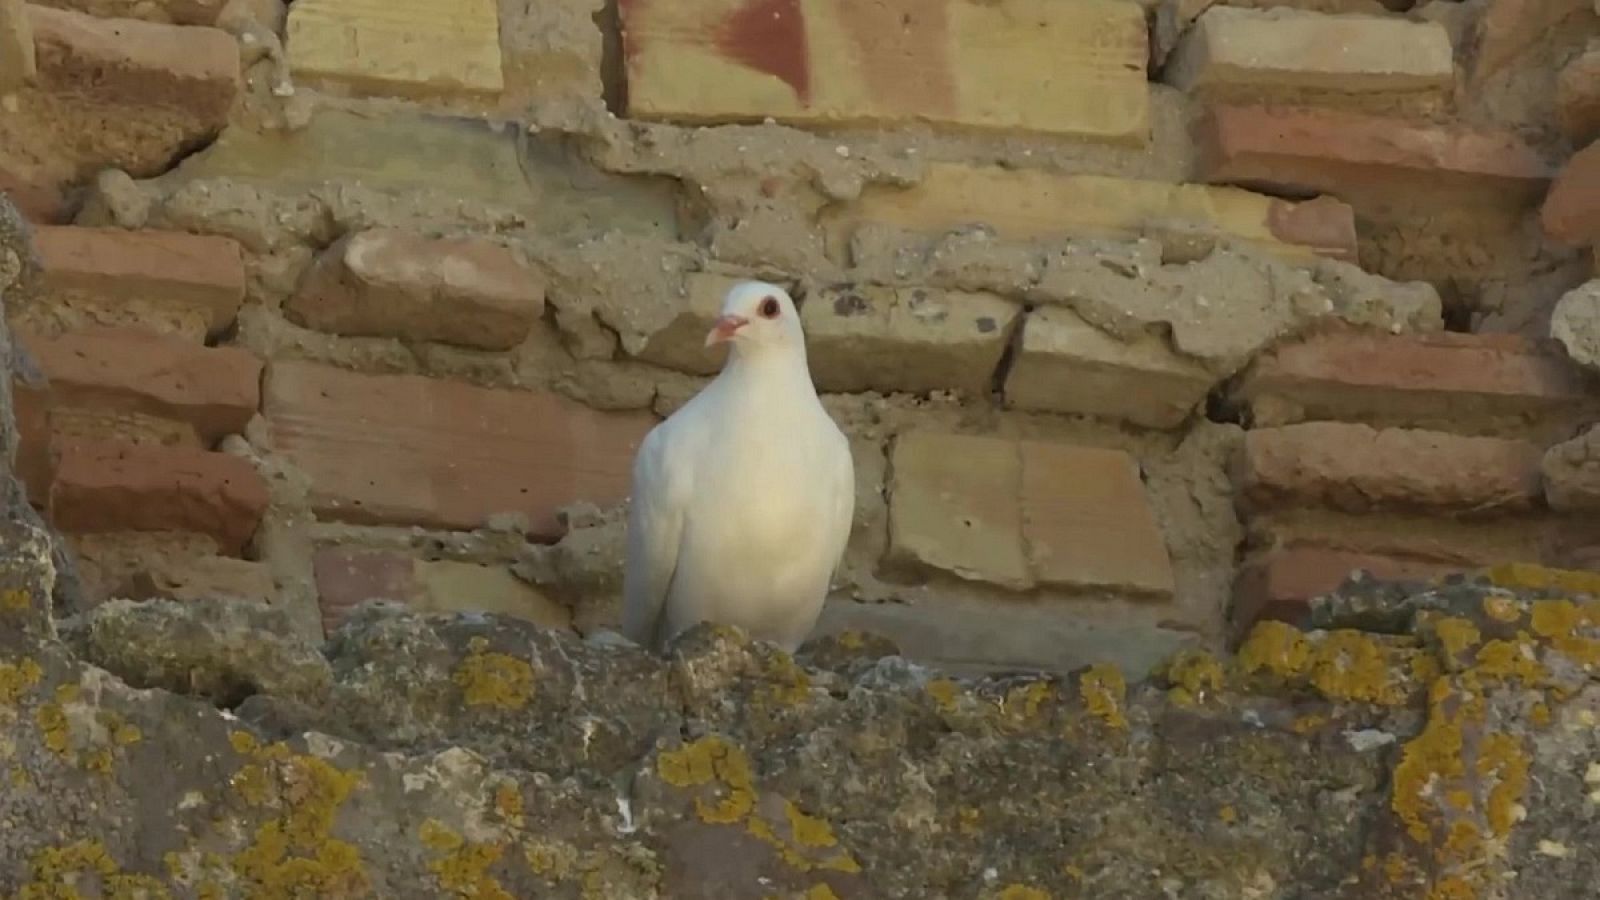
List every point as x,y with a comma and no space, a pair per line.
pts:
770,36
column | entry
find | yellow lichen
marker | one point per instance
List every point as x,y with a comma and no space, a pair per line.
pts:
789,685
1457,635
1541,578
707,759
1505,660
1501,609
1104,692
493,679
944,692
1021,892
17,679
1502,759
1559,618
1228,814
463,870
850,639
1194,675
1433,754
294,853
1308,723
808,831
1350,666
1023,702
967,820
821,892
15,600
52,722
58,873
1277,648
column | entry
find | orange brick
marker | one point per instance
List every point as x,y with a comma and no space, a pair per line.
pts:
1355,468
1448,381
403,449
112,269
1348,154
1281,584
100,487
1571,212
1578,97
1006,64
194,69
1508,28
215,389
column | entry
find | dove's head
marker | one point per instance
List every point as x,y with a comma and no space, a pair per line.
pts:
756,314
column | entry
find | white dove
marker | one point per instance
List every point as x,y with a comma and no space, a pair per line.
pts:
742,500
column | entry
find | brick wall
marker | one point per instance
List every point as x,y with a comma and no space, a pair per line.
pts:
1146,319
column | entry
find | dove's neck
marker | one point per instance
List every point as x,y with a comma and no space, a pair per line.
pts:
770,370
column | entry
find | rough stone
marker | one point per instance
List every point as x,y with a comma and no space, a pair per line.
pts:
1578,96
1571,211
1356,468
1066,365
467,291
1027,205
1286,55
1575,322
882,338
453,454
406,48
17,61
999,65
1572,473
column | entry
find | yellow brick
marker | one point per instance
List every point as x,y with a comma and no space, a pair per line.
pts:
1028,205
403,47
17,63
1072,67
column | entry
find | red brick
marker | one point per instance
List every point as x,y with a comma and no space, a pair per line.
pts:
1449,381
137,63
1348,154
38,199
410,450
469,291
100,487
1571,212
1356,468
215,389
1280,584
113,268
347,577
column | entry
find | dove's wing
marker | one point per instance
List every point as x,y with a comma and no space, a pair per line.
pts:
842,472
655,524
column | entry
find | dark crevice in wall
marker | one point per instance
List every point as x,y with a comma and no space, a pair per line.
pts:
1008,356
613,80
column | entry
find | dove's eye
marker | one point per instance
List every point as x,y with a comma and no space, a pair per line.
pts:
769,308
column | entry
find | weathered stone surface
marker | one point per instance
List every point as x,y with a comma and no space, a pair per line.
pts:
1025,513
1443,381
17,61
999,65
486,752
184,284
1066,365
1280,584
1572,473
400,47
469,291
680,341
1025,205
880,338
1575,322
1578,96
1356,468
1571,211
453,454
1286,55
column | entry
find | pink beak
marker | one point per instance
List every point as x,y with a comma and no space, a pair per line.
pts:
723,329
